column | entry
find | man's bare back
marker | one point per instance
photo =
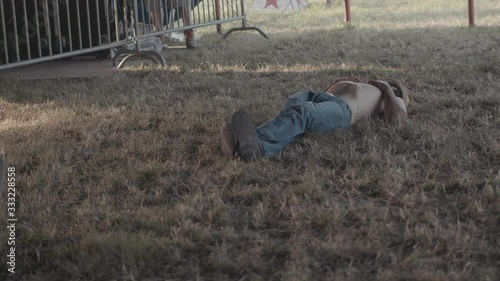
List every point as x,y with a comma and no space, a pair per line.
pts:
365,99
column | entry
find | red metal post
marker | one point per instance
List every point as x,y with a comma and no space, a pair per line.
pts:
347,5
471,12
217,15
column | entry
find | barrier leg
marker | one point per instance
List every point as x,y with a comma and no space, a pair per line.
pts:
218,15
244,25
149,55
187,20
138,53
244,28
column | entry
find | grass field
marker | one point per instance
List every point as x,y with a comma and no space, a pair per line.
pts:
122,177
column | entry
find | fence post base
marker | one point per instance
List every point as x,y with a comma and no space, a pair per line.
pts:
190,40
243,28
150,55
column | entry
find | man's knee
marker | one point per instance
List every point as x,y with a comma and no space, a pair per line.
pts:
304,110
296,98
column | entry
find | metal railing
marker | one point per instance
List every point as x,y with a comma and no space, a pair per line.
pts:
33,31
161,17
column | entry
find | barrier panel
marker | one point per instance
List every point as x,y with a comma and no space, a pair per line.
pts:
155,18
33,31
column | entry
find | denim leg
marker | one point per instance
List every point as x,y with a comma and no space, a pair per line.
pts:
304,96
302,112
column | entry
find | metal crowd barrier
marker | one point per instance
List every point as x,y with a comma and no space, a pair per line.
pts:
33,31
154,18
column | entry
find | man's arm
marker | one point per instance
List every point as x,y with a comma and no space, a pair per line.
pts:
394,107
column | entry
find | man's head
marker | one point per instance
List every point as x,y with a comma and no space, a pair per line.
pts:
399,89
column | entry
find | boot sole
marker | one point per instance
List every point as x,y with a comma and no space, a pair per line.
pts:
227,140
248,146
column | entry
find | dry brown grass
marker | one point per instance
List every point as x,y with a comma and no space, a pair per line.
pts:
122,178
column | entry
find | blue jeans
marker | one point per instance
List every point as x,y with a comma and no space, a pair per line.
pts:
303,112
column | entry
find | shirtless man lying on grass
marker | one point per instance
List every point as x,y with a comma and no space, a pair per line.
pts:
340,106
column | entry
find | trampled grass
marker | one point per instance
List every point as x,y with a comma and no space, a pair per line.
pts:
122,178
